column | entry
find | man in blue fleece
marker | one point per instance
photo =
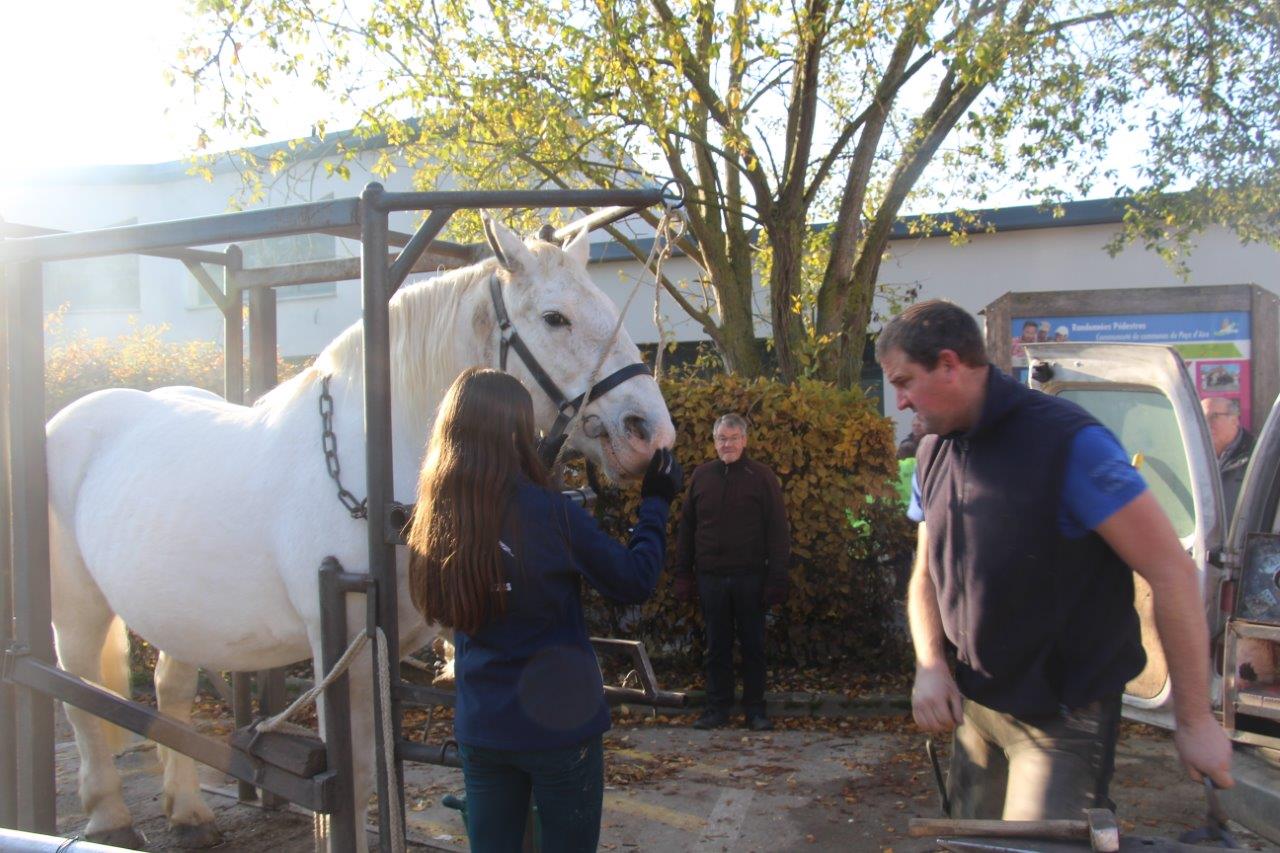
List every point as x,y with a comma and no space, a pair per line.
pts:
1032,522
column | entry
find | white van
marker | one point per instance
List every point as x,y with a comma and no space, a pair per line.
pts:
1144,394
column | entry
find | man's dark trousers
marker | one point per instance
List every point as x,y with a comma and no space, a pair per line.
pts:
733,605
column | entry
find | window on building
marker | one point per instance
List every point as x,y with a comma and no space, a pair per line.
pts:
277,251
94,284
291,250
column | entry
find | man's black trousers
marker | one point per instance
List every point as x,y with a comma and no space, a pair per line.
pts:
733,606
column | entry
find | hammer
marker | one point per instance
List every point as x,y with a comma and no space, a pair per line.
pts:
1099,828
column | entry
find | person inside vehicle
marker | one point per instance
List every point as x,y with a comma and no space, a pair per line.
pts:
1232,444
500,558
1032,522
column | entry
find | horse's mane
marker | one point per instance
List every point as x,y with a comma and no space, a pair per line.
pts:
424,323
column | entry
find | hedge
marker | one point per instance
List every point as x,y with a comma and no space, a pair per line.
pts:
834,455
77,364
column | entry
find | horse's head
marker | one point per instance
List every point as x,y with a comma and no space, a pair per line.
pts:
568,324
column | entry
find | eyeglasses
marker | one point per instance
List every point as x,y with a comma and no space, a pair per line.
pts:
1213,415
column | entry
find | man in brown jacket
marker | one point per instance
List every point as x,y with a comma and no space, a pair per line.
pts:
734,532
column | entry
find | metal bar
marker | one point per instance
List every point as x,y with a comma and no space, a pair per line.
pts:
468,253
263,373
598,219
29,510
206,230
263,367
315,794
194,256
202,277
242,708
422,238
425,753
233,390
340,269
233,328
519,198
379,472
13,841
8,708
420,694
649,693
271,701
632,696
344,822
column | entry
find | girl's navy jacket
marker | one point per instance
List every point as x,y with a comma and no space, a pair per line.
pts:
529,679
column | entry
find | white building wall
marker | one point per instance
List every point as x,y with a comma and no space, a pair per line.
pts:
1067,258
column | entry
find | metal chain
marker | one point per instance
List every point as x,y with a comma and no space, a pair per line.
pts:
357,508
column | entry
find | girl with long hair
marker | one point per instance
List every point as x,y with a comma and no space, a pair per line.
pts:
499,557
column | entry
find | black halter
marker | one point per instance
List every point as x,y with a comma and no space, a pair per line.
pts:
566,407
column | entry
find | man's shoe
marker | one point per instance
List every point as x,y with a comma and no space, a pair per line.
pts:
711,719
760,723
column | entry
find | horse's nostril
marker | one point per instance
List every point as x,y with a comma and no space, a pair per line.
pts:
636,427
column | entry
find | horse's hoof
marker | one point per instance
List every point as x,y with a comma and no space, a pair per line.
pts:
121,836
195,834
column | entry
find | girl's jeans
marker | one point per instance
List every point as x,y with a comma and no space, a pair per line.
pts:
567,784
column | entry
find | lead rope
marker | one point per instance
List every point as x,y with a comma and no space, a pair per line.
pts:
668,235
280,723
655,254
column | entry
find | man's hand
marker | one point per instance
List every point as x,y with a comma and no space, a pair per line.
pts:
935,700
683,587
1205,750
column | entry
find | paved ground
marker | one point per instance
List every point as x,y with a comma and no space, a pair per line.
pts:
672,788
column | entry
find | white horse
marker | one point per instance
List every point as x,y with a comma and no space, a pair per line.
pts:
202,524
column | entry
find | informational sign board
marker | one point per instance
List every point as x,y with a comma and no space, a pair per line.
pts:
1214,345
1228,335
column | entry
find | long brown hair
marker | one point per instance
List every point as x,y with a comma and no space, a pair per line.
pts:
482,439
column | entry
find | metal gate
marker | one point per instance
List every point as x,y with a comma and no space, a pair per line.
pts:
30,679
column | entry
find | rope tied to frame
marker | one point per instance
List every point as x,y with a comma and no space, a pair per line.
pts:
668,235
381,664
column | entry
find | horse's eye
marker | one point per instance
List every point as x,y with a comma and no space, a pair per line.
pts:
556,320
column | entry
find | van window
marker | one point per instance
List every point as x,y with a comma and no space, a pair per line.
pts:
1145,423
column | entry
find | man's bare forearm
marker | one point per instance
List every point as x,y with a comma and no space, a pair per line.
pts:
923,615
1184,635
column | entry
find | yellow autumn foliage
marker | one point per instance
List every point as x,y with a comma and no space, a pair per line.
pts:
78,364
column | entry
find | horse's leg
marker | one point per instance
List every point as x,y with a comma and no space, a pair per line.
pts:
190,818
81,622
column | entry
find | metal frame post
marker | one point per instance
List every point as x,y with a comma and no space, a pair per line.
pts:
30,668
29,508
345,820
233,327
8,710
233,390
263,372
376,294
263,376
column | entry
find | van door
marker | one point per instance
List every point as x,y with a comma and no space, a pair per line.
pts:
1144,395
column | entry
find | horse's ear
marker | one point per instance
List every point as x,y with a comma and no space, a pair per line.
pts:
579,248
507,246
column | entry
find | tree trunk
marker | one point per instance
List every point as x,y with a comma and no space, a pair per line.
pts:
786,243
737,347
